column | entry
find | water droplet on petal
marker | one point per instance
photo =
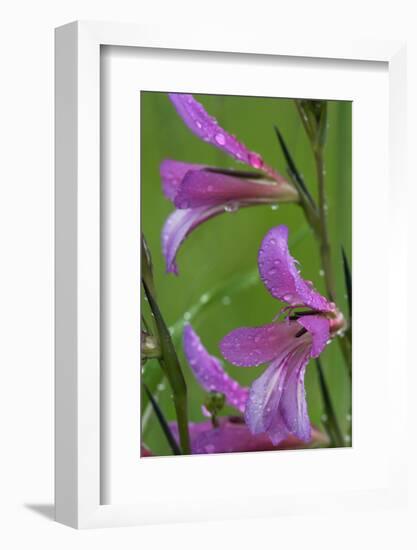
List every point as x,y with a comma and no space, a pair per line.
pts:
220,139
231,207
255,160
198,124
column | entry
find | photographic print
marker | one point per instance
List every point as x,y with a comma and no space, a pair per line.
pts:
246,274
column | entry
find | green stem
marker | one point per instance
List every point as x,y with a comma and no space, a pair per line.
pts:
331,424
325,251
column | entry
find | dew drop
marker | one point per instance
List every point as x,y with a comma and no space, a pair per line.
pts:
321,273
231,207
220,139
161,387
255,160
274,207
272,241
187,316
198,124
204,298
272,271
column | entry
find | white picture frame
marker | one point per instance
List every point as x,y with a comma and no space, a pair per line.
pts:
78,403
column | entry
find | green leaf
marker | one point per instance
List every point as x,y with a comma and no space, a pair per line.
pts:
146,266
172,369
163,422
348,280
295,174
331,424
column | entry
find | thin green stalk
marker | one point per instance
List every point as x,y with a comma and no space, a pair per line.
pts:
325,251
163,423
330,423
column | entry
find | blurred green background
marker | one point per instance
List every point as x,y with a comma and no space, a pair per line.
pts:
225,249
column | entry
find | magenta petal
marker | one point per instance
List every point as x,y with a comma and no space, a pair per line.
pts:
253,346
319,328
205,188
206,128
178,225
262,412
172,173
293,405
209,371
232,436
280,275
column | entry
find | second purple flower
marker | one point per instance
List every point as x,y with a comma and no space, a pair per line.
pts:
277,401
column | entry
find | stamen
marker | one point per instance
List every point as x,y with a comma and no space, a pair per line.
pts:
299,314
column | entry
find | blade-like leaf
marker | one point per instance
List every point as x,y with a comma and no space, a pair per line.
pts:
296,176
348,280
331,424
172,368
163,423
146,265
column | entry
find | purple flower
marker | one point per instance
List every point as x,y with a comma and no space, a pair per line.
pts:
277,403
231,434
200,192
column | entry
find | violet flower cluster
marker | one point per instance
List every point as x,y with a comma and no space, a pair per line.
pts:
273,412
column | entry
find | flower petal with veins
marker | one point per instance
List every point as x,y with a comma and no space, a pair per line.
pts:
234,436
172,173
207,128
209,372
206,187
319,328
251,346
178,225
280,275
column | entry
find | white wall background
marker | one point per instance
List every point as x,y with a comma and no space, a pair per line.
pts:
26,272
